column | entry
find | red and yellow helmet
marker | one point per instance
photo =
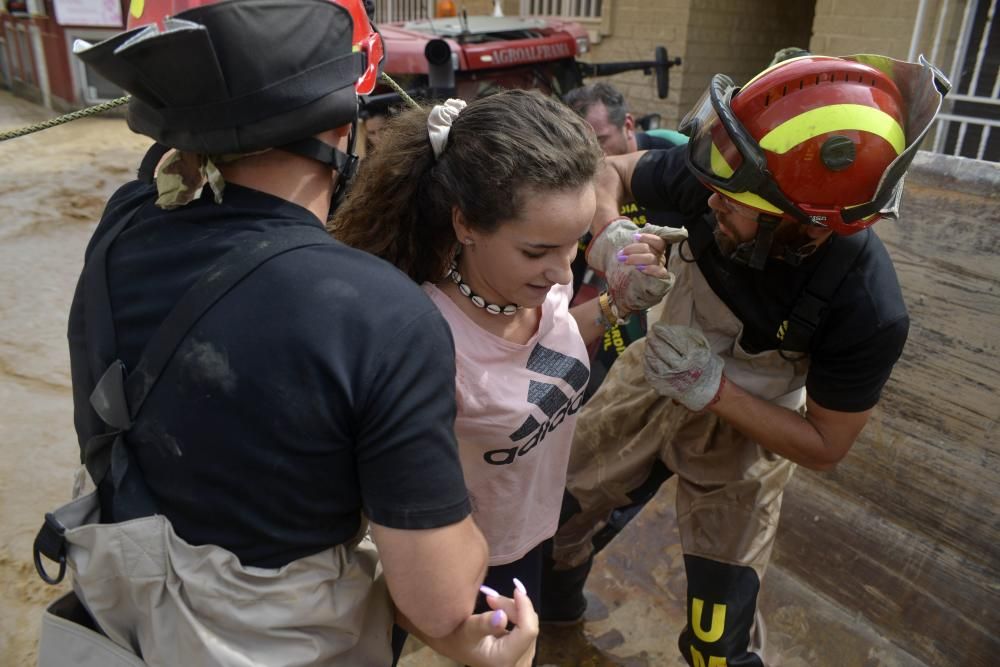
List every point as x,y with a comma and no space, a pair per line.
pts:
820,140
238,76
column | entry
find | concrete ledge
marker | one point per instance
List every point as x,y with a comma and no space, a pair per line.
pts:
974,177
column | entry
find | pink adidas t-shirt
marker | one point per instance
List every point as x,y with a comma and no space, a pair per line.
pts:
517,407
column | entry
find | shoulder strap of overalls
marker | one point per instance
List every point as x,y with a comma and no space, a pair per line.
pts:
813,301
119,395
811,306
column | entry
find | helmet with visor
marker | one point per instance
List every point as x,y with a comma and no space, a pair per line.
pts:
816,140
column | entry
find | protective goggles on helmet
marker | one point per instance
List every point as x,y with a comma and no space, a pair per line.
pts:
725,156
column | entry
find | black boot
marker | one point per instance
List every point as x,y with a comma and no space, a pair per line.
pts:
563,602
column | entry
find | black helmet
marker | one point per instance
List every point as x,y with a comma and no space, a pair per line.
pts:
242,75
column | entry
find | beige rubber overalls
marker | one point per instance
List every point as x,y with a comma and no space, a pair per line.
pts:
162,601
729,488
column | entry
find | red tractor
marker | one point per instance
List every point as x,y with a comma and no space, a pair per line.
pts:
469,56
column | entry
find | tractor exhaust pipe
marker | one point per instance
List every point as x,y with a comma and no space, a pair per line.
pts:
440,69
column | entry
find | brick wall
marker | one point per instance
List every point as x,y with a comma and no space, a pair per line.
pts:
637,27
843,27
737,37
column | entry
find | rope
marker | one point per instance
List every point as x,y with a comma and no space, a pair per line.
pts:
402,93
105,106
82,113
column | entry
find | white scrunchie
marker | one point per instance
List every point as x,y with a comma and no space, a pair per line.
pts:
439,123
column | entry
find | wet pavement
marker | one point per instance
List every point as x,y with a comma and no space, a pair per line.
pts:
635,612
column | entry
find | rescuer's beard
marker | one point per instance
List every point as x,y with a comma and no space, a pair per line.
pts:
791,243
726,245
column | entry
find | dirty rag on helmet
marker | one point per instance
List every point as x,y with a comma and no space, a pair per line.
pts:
183,174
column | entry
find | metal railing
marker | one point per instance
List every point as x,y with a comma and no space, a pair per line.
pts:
403,10
972,109
576,9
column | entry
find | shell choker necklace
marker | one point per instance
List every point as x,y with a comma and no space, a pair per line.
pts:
478,301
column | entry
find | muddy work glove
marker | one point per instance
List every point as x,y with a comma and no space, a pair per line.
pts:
680,364
631,288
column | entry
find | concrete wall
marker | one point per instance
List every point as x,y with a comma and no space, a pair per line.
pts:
739,37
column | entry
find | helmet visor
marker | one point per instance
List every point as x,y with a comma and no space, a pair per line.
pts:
922,87
722,153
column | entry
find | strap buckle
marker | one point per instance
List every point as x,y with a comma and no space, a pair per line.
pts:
50,541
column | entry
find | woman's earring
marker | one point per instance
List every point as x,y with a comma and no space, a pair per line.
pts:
467,241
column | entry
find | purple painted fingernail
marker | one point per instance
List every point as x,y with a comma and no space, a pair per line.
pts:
496,618
488,592
640,267
519,586
637,236
621,256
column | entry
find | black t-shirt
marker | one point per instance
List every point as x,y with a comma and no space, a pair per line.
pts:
645,142
864,329
320,388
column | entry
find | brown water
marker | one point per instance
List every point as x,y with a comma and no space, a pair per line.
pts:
52,188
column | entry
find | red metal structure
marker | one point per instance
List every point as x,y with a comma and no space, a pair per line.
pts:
469,56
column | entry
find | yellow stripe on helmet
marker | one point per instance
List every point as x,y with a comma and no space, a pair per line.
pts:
751,200
136,8
834,118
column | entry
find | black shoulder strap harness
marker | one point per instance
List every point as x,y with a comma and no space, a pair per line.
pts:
118,395
813,301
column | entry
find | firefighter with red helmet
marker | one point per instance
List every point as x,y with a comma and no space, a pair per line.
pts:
257,405
772,347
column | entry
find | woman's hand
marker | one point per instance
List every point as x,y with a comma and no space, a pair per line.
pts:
647,254
496,647
482,640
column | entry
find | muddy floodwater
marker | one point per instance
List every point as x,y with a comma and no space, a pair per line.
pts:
52,189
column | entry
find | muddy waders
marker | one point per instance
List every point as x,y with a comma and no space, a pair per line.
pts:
729,488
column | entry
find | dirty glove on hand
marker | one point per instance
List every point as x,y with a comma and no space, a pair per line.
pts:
629,287
680,364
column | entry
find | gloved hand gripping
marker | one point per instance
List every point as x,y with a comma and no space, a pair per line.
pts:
631,289
680,364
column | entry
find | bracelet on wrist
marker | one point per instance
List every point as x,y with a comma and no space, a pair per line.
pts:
610,315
